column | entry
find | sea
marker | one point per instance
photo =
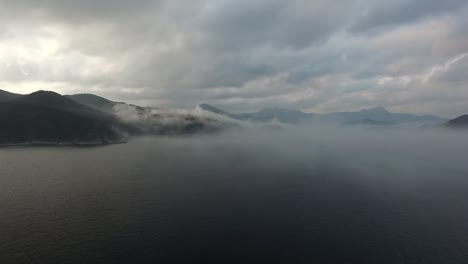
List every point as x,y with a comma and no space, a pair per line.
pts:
261,196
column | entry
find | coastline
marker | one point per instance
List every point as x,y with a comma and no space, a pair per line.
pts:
62,144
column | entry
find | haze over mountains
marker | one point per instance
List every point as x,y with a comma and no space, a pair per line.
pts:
50,118
374,116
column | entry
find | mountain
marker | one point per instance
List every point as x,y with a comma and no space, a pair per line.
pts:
7,96
93,101
176,123
377,116
368,121
265,115
459,122
218,111
105,105
150,120
50,118
214,110
281,114
52,100
380,114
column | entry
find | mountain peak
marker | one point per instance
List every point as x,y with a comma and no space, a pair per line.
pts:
91,97
377,109
45,93
49,99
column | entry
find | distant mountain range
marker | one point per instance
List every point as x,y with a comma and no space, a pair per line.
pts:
48,118
264,115
373,116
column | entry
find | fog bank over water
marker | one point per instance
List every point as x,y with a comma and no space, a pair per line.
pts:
258,195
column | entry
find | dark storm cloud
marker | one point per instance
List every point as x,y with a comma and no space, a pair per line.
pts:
240,54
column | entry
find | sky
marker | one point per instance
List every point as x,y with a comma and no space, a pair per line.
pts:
242,55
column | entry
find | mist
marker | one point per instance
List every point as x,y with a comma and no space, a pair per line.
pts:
154,121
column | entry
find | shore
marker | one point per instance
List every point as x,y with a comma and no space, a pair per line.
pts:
62,144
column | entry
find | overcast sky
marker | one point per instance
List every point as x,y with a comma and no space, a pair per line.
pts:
241,55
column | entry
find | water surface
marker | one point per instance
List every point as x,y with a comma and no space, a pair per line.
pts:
259,197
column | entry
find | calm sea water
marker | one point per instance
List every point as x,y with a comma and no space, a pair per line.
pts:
285,198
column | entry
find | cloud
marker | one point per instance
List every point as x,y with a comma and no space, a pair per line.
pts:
242,55
380,14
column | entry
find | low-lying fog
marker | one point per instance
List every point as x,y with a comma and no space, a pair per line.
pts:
257,195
